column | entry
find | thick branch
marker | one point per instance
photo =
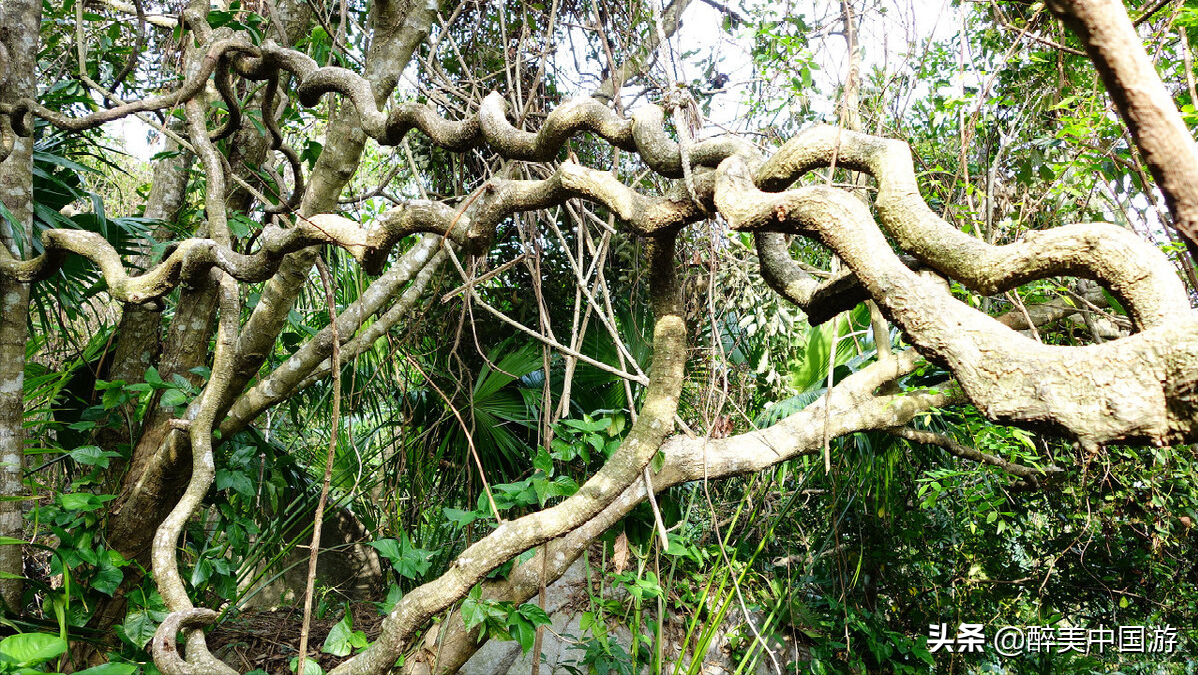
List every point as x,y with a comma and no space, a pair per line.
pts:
1133,270
166,652
1133,388
850,407
1143,102
821,301
621,470
298,370
644,133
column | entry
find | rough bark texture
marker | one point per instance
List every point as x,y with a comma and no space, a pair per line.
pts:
1141,387
139,340
1104,398
20,21
399,28
1084,391
852,406
622,470
1143,101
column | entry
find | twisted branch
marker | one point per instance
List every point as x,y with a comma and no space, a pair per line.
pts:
852,405
617,474
166,652
1133,270
1140,387
644,133
821,301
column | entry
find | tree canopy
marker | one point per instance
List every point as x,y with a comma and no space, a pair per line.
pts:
814,331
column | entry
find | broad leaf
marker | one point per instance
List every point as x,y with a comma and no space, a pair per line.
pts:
29,649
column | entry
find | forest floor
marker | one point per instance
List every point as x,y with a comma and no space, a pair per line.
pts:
269,639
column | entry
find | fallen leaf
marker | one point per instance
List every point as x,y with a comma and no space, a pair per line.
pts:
620,559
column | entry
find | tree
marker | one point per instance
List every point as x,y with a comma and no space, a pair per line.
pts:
269,228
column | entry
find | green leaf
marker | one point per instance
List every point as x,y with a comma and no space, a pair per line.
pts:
83,501
109,669
311,667
173,397
108,578
29,649
388,548
563,451
201,572
153,378
90,455
474,609
658,461
588,424
409,561
1114,302
522,632
238,480
460,518
338,641
394,595
543,462
535,615
139,628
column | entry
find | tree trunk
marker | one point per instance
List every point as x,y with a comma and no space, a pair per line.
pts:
1143,102
399,29
139,335
20,21
159,469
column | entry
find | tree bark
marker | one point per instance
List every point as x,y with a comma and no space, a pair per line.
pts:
138,343
20,21
159,470
1143,102
850,407
399,29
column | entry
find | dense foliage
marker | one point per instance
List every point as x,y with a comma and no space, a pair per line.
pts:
452,417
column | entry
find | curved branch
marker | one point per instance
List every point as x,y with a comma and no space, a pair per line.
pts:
163,559
164,562
193,85
1143,101
1139,387
223,77
1135,271
644,133
473,227
276,143
621,470
186,263
203,470
166,652
851,406
131,63
821,301
417,265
